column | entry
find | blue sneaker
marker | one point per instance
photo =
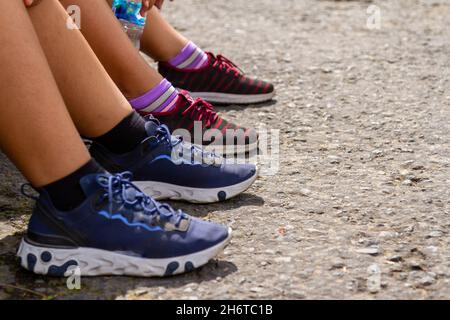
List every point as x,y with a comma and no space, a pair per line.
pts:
166,167
118,230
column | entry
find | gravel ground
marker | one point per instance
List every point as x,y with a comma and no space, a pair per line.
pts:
360,206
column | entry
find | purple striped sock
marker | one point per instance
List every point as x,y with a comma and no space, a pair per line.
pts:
191,57
161,99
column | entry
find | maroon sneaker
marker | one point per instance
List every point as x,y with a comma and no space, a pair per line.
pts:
198,123
220,81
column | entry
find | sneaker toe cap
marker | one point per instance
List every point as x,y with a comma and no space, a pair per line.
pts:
238,173
204,234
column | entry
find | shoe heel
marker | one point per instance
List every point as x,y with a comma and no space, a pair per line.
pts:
46,261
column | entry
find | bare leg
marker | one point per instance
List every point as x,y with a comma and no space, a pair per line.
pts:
125,65
36,131
94,102
160,40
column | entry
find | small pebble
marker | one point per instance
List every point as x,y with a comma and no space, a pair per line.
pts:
373,251
407,182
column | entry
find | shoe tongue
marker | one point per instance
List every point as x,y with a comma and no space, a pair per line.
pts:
89,183
151,128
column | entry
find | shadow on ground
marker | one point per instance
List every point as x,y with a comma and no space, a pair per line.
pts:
201,211
230,107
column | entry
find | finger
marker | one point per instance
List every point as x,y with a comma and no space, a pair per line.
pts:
159,4
28,2
145,7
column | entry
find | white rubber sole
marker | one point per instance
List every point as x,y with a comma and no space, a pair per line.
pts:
165,191
229,98
95,262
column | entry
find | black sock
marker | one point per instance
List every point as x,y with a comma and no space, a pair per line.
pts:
125,136
66,194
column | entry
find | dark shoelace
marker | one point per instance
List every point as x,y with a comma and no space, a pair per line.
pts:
226,64
200,110
119,189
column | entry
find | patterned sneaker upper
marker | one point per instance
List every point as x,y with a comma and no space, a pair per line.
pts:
219,75
169,159
118,217
211,128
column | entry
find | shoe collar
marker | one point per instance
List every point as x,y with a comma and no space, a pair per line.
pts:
211,59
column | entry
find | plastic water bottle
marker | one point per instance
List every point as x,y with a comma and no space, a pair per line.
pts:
127,11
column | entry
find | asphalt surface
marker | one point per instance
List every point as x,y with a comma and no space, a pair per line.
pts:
360,205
